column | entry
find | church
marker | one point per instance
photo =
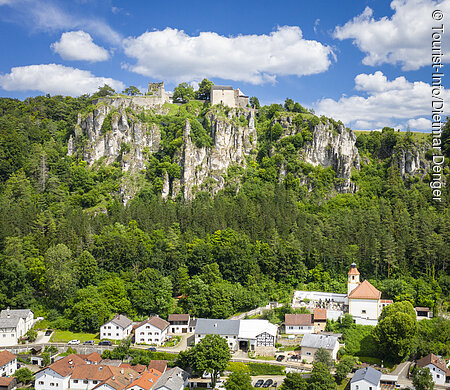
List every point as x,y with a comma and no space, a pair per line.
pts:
364,300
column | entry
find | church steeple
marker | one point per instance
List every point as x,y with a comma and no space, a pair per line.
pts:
353,278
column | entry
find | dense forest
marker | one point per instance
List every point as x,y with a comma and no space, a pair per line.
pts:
212,256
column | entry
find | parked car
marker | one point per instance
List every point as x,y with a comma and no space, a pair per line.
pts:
74,342
259,383
105,342
48,332
89,342
280,358
267,383
151,349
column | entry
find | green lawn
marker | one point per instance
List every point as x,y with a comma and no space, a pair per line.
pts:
63,336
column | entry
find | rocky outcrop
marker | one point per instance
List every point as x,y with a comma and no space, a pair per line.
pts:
334,146
118,139
411,160
110,134
204,168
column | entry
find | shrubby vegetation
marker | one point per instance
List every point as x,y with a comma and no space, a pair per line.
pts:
73,252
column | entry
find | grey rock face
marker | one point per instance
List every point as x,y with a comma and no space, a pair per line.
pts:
334,148
411,161
231,144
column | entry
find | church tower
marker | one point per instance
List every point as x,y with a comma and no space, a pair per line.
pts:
353,278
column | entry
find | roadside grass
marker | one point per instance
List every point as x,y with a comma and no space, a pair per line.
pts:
64,336
344,384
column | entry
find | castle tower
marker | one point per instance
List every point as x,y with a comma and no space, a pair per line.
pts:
353,278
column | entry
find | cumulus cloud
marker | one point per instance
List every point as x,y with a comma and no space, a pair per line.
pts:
384,103
45,15
55,79
78,45
404,39
171,54
419,124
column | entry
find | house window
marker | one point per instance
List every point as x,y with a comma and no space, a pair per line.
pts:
357,387
437,376
94,382
75,381
308,353
117,334
85,381
363,311
41,382
52,384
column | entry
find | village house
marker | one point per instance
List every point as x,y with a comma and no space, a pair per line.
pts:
312,342
8,383
151,331
298,323
57,374
366,379
226,95
14,324
438,369
320,320
86,372
245,335
117,328
8,363
179,323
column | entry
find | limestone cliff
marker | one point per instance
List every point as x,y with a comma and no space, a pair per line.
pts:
112,132
204,168
334,147
411,160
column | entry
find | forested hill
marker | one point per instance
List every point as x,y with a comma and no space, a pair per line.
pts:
71,248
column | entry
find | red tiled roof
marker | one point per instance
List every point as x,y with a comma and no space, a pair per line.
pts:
66,365
365,291
6,357
353,271
320,314
147,380
5,381
160,365
432,359
386,301
179,317
139,368
155,321
298,319
422,309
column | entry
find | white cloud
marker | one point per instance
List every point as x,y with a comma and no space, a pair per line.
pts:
404,39
173,55
386,102
419,124
44,15
78,45
55,79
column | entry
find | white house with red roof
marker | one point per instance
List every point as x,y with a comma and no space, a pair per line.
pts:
152,331
364,300
437,367
8,363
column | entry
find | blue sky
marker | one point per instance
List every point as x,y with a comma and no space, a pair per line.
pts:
367,63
